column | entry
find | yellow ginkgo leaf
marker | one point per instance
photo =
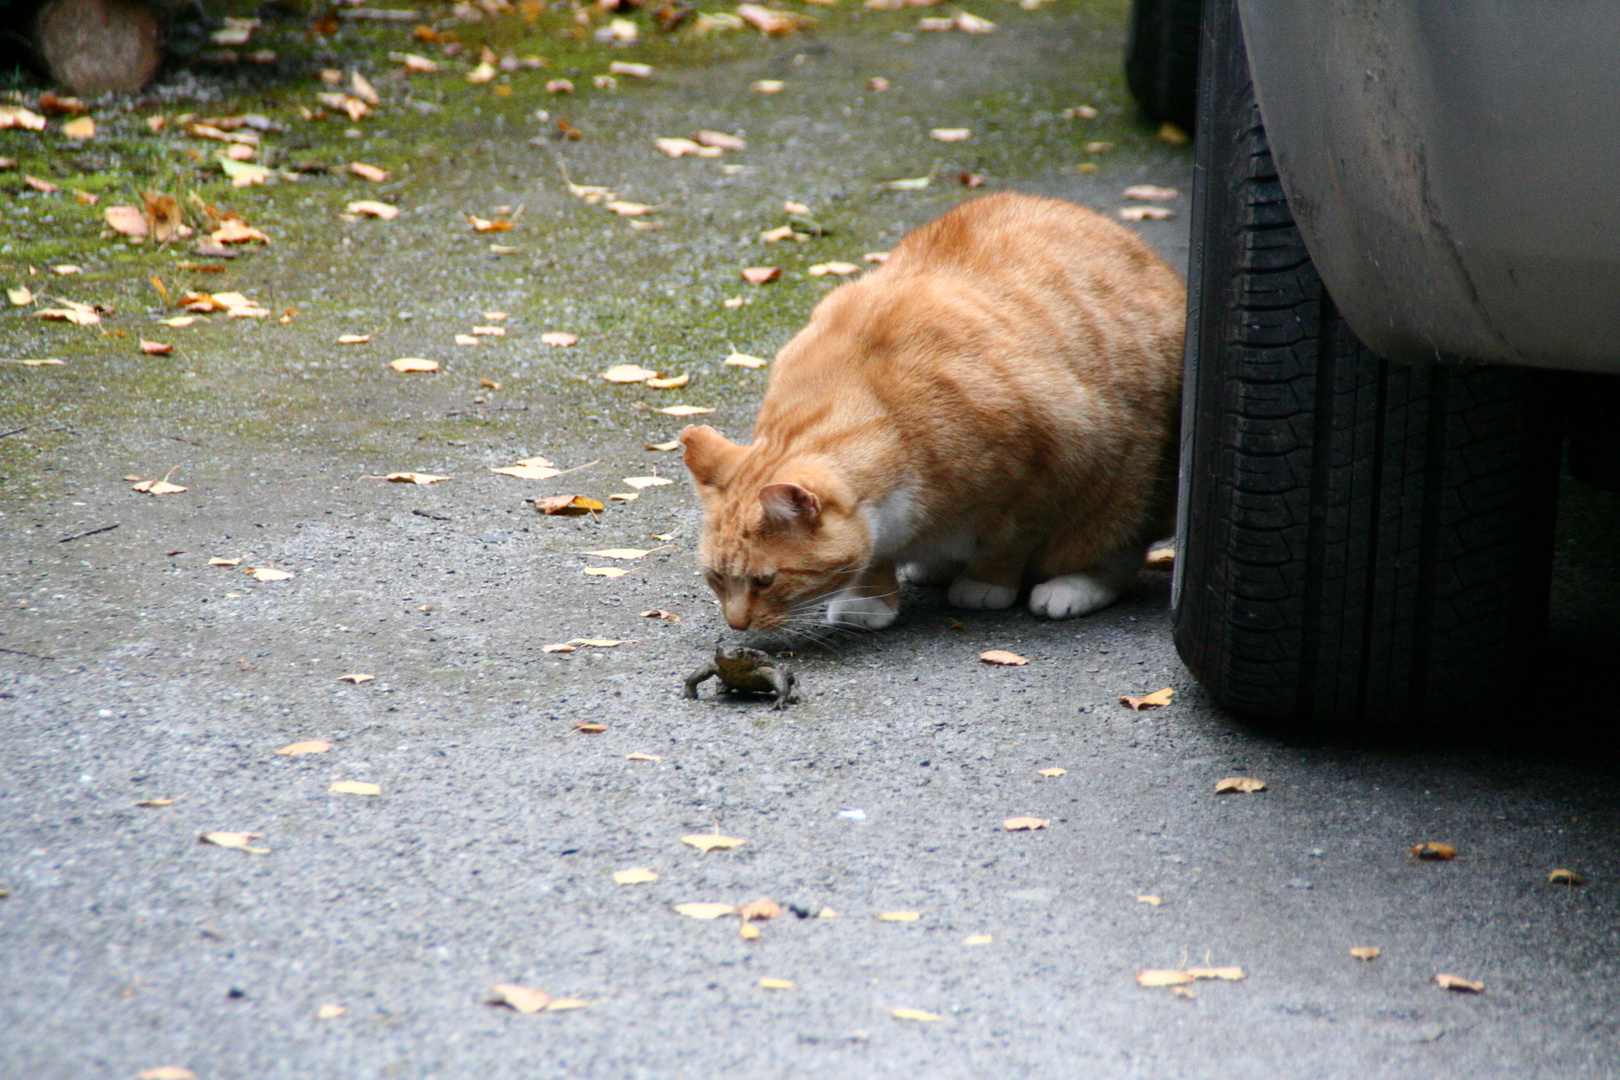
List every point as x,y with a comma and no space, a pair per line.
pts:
707,842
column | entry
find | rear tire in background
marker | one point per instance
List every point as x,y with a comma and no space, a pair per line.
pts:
1361,543
1161,59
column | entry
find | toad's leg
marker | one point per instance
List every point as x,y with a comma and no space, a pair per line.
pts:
705,672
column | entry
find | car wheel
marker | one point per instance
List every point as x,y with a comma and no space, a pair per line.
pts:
1161,59
1361,542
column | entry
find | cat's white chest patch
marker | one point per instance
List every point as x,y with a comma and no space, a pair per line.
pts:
889,523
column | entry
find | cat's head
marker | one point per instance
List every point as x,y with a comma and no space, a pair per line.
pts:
777,539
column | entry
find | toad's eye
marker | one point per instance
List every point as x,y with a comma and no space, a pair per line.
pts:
764,581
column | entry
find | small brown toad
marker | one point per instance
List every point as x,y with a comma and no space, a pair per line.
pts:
746,671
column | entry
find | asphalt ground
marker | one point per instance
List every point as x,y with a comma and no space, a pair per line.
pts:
132,670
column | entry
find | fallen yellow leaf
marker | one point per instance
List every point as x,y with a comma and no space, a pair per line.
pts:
1460,984
840,269
566,1005
528,472
769,86
707,842
1148,701
737,359
1434,851
1365,952
1003,657
618,553
684,410
237,840
698,910
605,571
1240,785
914,1014
154,803
166,1072
899,916
353,339
1151,900
628,209
372,208
628,373
1162,977
643,757
1024,824
1151,192
309,746
1228,974
625,67
760,910
568,505
414,478
977,939
413,363
356,678
1565,877
640,482
217,561
1052,773
269,573
354,787
759,275
748,932
521,999
776,984
1145,213
951,134
672,383
330,1012
635,875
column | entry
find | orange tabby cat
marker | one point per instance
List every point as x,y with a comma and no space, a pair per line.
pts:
995,406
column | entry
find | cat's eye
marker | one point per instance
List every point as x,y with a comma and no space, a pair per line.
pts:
764,581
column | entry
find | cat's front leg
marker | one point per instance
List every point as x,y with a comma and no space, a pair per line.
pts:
872,603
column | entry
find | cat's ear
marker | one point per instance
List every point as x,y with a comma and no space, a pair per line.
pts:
708,455
790,504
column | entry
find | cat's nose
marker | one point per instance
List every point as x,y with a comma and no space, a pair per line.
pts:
737,616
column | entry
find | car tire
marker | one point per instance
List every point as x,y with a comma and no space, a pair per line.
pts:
1161,59
1361,543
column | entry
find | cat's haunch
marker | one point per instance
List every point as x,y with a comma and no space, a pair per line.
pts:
993,408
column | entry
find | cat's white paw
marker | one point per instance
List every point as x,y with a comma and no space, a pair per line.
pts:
980,596
925,572
863,612
1071,595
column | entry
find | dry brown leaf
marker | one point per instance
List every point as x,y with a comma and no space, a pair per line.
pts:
743,360
368,172
414,478
707,842
45,187
1144,213
1162,977
163,217
309,746
628,373
1025,824
673,383
918,1015
1003,657
1565,877
605,571
521,999
635,875
678,148
155,348
760,275
372,208
1460,984
125,220
949,135
1239,785
1365,952
760,910
899,916
590,729
1051,773
685,410
1434,851
1148,701
354,787
234,232
1151,192
560,338
413,363
720,141
839,269
525,471
568,505
241,841
697,910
